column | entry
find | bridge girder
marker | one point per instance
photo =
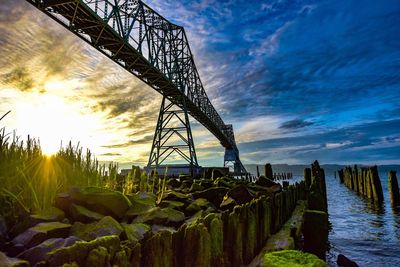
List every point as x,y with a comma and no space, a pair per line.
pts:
150,47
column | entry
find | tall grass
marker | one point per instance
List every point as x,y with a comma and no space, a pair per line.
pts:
29,179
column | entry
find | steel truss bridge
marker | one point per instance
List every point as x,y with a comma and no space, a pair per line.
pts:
156,51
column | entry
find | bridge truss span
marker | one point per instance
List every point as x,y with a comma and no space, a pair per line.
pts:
150,47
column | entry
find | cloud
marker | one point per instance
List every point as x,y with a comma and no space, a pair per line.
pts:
295,124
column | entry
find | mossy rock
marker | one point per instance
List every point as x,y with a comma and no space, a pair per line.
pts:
291,258
197,205
41,232
215,195
40,252
79,251
12,262
178,205
136,231
106,226
49,215
174,195
101,200
82,214
161,216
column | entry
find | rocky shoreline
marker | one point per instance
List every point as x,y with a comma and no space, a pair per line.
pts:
189,222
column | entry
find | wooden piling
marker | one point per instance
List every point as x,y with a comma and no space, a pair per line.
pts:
393,189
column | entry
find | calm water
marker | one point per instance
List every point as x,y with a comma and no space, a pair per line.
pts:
362,231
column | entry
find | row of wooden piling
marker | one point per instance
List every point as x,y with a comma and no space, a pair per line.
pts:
274,176
231,238
364,181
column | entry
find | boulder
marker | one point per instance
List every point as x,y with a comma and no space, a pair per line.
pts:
266,182
157,215
198,204
240,194
173,183
172,204
39,252
175,196
12,262
49,215
101,200
291,258
343,261
228,203
195,187
136,231
215,195
81,214
79,251
106,226
41,232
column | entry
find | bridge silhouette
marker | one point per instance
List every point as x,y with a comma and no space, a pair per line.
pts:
156,51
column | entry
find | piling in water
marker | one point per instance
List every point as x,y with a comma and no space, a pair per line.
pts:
394,189
364,181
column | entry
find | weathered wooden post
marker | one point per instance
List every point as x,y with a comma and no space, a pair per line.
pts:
394,189
268,171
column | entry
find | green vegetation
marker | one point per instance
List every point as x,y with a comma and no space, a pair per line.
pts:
291,258
30,179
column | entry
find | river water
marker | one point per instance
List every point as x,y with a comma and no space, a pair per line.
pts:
366,233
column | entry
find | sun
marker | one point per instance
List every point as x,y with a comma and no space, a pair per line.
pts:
52,119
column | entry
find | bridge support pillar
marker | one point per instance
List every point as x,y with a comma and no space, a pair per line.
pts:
172,138
231,160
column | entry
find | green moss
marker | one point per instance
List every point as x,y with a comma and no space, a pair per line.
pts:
98,257
291,258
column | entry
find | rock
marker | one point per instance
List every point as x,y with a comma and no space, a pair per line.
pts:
12,262
175,196
81,214
222,182
215,195
49,215
106,226
98,257
173,183
140,204
3,232
41,232
240,194
172,204
263,181
63,201
291,258
195,187
343,261
14,249
206,183
136,231
80,250
184,177
228,203
196,205
39,252
158,228
161,216
195,217
101,200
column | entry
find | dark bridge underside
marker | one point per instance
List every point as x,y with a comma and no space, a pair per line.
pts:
162,58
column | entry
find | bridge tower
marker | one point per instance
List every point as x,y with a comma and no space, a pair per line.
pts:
173,137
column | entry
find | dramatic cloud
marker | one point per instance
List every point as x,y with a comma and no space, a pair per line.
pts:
300,80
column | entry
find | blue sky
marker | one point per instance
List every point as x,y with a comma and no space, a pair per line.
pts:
299,80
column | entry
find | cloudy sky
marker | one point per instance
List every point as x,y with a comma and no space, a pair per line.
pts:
299,80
